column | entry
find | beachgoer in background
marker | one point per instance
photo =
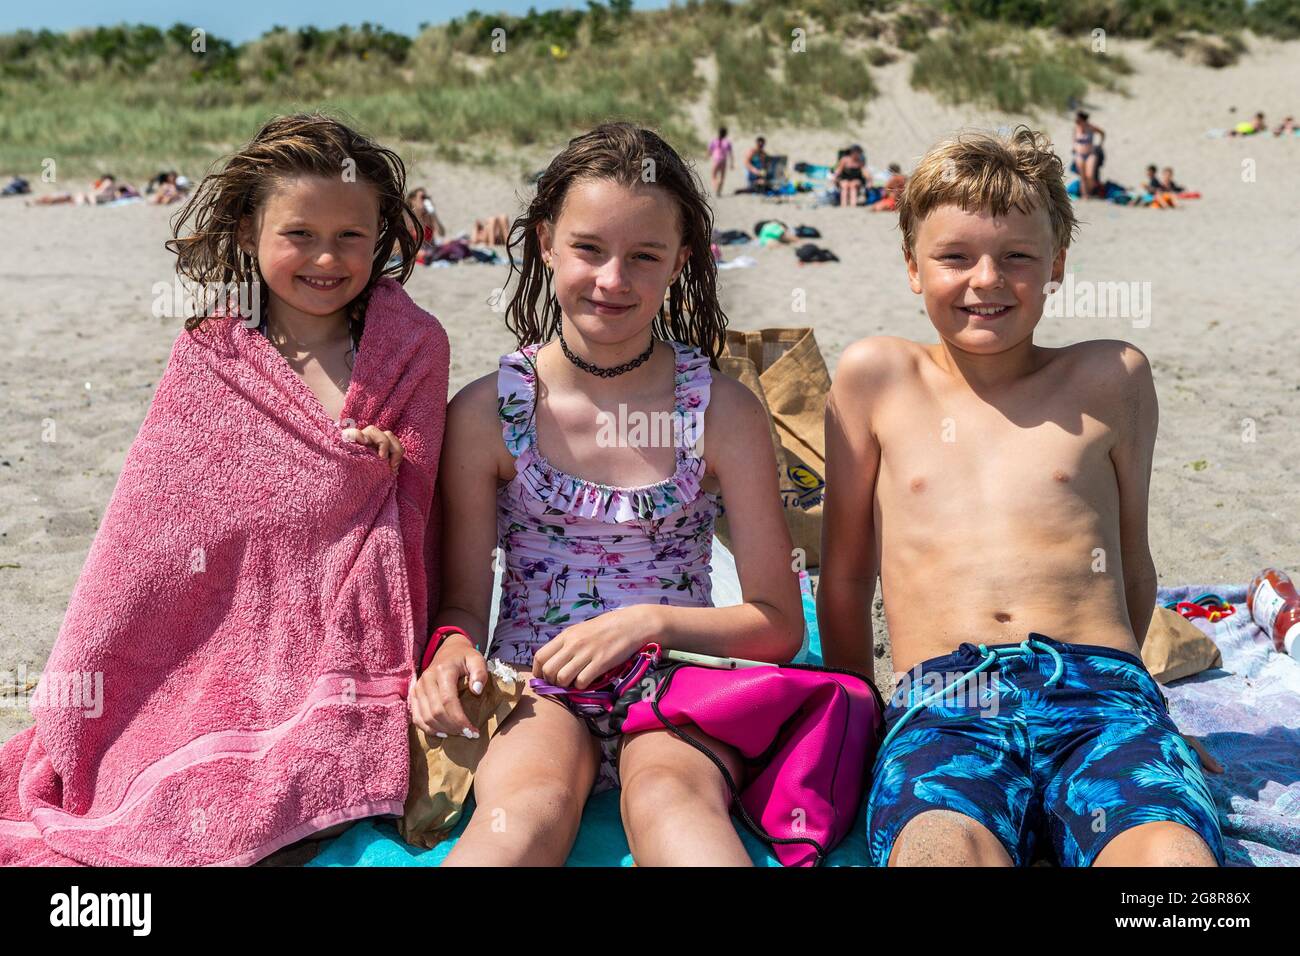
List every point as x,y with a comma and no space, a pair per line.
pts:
720,156
849,175
166,188
893,190
1249,128
493,231
1151,182
1088,154
1286,126
756,165
1166,181
102,190
425,213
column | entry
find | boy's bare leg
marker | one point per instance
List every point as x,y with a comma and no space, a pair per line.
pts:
529,789
1163,843
947,838
675,804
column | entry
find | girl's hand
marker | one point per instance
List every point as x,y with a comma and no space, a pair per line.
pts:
435,701
389,447
579,655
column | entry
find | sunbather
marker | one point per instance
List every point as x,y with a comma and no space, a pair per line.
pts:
1250,127
493,231
102,190
1286,126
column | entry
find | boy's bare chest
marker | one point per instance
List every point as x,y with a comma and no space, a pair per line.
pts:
951,454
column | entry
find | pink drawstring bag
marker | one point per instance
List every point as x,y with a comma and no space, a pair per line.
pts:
808,736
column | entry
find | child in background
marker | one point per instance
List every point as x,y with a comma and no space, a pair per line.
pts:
603,553
999,490
893,190
720,157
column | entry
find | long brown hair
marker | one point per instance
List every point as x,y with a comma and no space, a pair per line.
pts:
310,143
623,153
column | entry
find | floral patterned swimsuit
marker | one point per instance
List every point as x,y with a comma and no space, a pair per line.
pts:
574,549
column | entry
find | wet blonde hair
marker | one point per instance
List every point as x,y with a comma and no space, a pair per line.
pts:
983,172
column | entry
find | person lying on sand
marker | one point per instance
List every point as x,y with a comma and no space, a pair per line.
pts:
105,189
999,489
1286,126
1249,128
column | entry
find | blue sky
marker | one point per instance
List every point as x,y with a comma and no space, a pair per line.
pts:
241,20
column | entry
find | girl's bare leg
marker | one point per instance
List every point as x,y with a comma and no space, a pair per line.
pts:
529,789
675,803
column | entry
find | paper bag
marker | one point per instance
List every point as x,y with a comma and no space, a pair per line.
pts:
785,369
1175,647
442,769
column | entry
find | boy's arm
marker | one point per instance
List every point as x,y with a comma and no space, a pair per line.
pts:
849,562
1131,455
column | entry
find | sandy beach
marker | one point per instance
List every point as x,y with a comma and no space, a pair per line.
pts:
84,353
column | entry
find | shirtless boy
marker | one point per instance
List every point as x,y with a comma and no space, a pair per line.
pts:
999,489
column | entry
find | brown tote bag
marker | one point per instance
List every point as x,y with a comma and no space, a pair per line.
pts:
785,369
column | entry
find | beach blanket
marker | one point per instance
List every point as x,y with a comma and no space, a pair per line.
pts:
601,840
232,672
1247,713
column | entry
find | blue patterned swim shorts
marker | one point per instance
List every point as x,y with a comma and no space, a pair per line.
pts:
1055,748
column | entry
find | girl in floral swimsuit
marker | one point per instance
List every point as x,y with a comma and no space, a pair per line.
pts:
555,465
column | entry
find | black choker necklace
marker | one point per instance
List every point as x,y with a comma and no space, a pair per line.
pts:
605,372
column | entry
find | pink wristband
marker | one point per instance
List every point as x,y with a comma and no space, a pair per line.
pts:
435,641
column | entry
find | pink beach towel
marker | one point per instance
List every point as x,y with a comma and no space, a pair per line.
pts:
248,616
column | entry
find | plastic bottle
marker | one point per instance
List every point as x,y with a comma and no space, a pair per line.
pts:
1275,605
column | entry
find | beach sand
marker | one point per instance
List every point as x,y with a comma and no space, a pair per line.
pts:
83,352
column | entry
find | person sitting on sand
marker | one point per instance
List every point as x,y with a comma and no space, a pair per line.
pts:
999,490
893,190
166,188
1166,182
493,231
756,165
848,175
1153,194
1249,128
720,155
426,214
1088,155
1285,127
